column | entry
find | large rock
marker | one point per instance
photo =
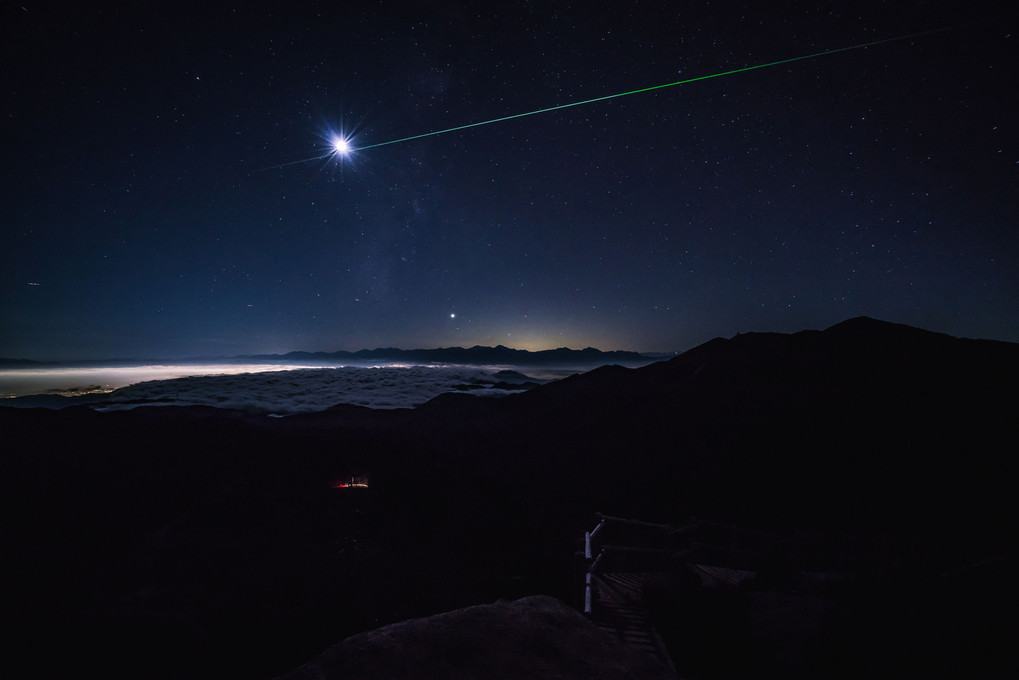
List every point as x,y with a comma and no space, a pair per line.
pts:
538,638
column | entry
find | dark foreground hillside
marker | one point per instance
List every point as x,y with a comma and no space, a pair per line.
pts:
167,542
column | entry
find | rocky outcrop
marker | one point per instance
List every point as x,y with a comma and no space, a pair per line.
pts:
538,638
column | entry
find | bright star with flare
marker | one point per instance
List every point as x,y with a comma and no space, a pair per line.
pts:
341,146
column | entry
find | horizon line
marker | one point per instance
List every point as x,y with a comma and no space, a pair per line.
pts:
198,358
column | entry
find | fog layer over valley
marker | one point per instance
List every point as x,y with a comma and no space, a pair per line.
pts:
299,382
69,380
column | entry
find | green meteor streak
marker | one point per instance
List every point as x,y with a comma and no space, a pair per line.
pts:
659,87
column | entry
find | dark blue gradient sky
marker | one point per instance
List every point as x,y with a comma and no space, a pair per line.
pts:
139,221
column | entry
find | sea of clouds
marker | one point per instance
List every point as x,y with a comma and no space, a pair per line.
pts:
71,379
300,390
313,389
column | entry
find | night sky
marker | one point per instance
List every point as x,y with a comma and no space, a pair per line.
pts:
140,219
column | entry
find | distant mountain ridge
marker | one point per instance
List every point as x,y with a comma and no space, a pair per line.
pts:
20,363
478,354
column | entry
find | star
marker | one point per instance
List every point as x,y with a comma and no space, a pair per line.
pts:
341,146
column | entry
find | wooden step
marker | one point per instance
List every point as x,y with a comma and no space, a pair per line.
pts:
618,609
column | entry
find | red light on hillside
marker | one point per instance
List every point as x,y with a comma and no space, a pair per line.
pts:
354,482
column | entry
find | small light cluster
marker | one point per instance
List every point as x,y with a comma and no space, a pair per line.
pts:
354,482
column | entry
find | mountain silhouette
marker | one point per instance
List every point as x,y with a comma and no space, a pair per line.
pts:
864,425
478,354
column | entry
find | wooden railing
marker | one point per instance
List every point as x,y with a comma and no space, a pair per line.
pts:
630,546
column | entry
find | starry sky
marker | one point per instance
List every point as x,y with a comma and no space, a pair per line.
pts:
152,205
